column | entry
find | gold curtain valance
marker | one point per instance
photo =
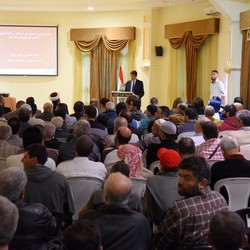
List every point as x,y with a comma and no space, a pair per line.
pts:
89,34
201,27
111,45
245,20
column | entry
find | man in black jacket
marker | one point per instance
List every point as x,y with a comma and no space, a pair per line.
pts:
135,85
121,228
36,225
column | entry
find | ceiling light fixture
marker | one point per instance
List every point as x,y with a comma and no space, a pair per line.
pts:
90,8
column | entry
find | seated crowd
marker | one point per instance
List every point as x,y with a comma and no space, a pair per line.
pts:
156,171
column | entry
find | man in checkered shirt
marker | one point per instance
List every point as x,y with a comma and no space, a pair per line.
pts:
186,223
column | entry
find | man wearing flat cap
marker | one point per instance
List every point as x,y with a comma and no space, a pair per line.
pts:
167,137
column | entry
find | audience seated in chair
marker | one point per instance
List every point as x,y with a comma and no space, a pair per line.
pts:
227,231
189,121
186,147
109,156
144,143
167,137
66,150
234,165
132,155
30,135
82,235
15,139
229,123
119,122
79,110
242,135
8,222
210,149
44,185
97,198
80,165
121,228
6,149
186,223
161,189
28,234
47,113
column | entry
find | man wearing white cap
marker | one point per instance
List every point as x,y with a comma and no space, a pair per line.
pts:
167,137
55,99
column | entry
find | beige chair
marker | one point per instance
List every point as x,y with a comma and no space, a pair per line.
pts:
245,151
2,164
154,165
185,134
81,189
224,133
238,189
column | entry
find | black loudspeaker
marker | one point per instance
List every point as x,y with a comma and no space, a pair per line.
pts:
158,50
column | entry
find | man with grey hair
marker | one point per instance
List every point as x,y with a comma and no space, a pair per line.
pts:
116,219
82,127
12,184
198,137
6,149
234,165
243,123
8,222
209,112
107,117
119,122
49,139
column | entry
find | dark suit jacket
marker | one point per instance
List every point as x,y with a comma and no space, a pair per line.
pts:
138,89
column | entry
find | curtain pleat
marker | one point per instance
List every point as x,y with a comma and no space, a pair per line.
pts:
245,72
103,64
192,44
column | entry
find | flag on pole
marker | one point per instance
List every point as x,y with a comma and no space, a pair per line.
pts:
120,85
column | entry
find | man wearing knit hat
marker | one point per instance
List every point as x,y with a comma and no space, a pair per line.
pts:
55,99
162,189
167,137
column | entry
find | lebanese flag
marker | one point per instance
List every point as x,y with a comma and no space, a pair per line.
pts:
120,85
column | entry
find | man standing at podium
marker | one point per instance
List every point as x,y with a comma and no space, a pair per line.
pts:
135,85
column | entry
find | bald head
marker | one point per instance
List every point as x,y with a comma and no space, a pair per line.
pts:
238,106
120,122
117,188
123,136
199,122
156,126
48,107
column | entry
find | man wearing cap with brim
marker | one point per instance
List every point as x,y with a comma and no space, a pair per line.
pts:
55,99
167,137
161,189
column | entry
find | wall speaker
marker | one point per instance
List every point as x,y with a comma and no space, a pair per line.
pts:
158,50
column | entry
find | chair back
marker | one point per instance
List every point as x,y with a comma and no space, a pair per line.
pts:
81,189
2,164
245,215
154,165
185,134
238,189
245,151
138,186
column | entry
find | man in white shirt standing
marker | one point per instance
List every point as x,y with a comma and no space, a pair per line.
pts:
217,87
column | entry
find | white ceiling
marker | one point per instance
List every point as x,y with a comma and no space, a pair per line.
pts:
82,5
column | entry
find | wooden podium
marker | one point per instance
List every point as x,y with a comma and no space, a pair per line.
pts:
120,96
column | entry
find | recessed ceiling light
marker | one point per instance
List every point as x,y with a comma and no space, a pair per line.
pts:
90,8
